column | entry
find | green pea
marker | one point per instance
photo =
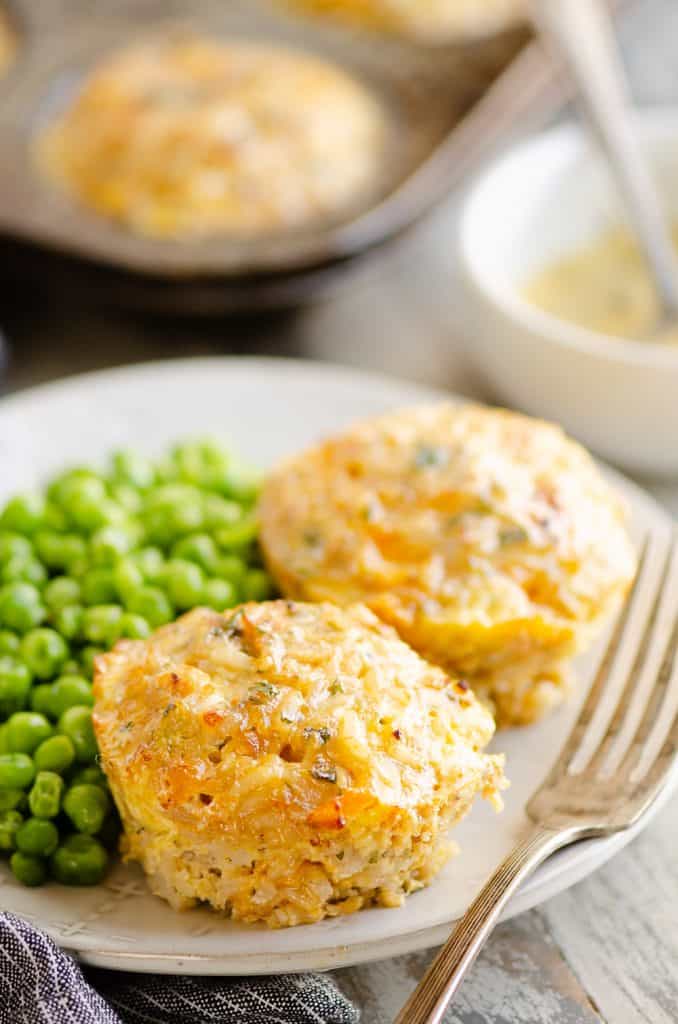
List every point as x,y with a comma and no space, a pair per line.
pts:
132,468
69,622
67,691
37,837
26,730
55,754
242,483
202,462
219,594
41,699
15,685
83,496
110,544
77,484
23,513
13,545
44,651
79,566
9,642
127,497
237,536
55,518
87,806
172,511
60,550
27,869
4,745
151,563
17,771
231,568
198,548
88,656
127,576
94,515
21,607
152,604
18,568
99,587
220,511
10,823
166,471
90,514
100,624
91,775
257,585
44,799
76,723
80,860
184,583
134,627
61,592
12,799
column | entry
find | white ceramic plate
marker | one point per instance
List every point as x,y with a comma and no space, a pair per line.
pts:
268,408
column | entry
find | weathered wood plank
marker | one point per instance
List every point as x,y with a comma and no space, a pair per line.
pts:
619,928
520,978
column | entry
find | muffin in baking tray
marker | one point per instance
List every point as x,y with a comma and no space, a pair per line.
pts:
287,762
186,137
431,20
489,540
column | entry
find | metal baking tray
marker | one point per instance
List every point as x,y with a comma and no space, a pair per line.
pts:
447,104
425,92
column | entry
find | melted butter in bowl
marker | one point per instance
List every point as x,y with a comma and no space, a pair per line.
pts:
605,287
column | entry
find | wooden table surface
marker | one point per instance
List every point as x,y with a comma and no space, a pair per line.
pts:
607,949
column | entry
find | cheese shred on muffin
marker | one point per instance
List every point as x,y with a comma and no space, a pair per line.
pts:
288,762
489,540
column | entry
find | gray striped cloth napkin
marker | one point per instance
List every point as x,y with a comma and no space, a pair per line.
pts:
40,984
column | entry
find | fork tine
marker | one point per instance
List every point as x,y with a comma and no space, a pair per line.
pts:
577,735
640,698
652,729
653,783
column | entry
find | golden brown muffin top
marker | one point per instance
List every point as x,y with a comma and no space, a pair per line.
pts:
282,707
457,512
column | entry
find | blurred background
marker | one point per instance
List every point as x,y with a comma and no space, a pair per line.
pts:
395,305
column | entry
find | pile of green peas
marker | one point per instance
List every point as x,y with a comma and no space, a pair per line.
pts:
97,557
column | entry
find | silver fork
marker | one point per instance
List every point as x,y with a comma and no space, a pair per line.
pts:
618,759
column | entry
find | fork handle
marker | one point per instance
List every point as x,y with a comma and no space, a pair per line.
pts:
430,999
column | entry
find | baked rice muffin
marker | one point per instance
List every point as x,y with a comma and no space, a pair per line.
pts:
430,20
187,137
489,540
287,762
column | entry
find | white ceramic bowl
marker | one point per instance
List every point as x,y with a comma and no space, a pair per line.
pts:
546,198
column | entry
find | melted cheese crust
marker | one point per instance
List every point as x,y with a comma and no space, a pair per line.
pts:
189,137
287,762
489,540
